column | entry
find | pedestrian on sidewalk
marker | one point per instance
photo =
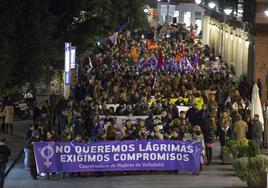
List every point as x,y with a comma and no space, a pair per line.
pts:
257,130
4,156
9,117
240,129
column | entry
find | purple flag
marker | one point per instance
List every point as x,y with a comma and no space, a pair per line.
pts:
155,82
120,28
171,64
180,66
196,60
113,38
188,66
117,156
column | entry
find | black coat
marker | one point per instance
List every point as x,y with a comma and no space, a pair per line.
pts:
224,135
4,154
193,114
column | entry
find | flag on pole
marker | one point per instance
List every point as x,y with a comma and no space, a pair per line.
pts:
180,66
171,64
160,61
153,63
120,28
196,60
155,82
113,38
134,54
188,66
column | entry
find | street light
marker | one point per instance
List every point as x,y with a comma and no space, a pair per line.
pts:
212,4
198,1
228,11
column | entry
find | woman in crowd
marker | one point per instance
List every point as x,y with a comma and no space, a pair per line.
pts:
209,130
9,117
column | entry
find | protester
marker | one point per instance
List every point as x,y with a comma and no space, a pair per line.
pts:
4,157
209,131
240,129
224,132
148,79
257,130
27,139
32,164
198,136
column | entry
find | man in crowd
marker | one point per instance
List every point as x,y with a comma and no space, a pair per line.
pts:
27,138
240,129
257,130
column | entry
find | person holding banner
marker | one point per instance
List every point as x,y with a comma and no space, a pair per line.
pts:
32,164
198,136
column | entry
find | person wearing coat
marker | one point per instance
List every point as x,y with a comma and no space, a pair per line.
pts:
192,114
203,116
4,157
240,129
257,130
224,132
32,164
209,130
9,117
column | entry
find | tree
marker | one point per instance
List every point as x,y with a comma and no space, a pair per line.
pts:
29,45
33,33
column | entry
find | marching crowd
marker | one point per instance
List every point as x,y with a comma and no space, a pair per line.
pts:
150,74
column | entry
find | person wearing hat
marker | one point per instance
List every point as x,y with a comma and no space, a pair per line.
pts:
4,155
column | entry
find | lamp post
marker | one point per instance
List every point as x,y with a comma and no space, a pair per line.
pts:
228,11
198,2
211,4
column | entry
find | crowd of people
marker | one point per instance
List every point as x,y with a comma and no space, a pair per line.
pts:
150,74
